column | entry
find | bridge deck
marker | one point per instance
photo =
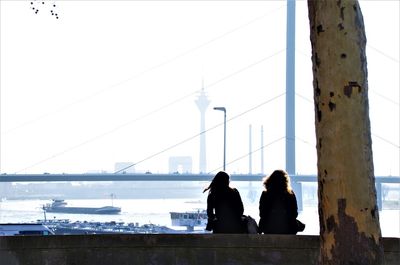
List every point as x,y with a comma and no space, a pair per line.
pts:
158,177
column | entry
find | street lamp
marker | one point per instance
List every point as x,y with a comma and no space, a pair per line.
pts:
224,110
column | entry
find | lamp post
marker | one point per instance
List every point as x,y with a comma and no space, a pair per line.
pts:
224,110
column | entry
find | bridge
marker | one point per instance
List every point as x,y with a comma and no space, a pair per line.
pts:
296,180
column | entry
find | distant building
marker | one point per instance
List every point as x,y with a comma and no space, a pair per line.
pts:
180,164
124,167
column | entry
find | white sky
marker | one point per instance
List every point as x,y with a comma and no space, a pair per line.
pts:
116,81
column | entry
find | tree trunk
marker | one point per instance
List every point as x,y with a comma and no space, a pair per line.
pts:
348,214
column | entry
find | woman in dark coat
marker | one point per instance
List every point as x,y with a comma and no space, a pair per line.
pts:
278,205
224,206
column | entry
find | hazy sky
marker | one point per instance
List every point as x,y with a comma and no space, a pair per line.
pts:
116,81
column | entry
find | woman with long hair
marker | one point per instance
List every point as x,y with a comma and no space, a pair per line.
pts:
278,205
224,206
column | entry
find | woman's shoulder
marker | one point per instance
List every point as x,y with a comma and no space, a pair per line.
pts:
232,189
271,193
265,194
290,195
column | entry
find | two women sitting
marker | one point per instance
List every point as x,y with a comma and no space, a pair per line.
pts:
278,206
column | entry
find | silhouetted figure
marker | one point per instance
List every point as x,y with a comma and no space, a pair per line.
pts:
224,206
278,205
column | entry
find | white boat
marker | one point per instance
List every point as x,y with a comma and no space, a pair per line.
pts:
190,219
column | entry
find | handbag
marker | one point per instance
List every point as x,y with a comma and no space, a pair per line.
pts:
300,226
250,225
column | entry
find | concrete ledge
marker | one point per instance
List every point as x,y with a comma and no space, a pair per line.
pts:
168,249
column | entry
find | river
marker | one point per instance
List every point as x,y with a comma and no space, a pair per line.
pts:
156,211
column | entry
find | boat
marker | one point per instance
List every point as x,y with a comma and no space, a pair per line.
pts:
66,227
60,206
190,219
24,229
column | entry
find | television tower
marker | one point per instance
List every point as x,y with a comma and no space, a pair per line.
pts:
202,103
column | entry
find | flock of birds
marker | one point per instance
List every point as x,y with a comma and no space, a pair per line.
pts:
36,5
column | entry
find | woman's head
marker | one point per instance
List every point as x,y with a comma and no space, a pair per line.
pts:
278,181
221,180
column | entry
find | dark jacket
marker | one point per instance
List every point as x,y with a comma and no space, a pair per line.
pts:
224,210
278,213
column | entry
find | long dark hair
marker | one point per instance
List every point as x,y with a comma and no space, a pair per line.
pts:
278,181
220,181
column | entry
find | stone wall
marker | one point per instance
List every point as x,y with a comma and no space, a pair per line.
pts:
187,249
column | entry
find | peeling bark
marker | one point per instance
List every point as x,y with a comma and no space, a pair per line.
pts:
349,221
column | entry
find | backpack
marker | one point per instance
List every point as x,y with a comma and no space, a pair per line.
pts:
250,225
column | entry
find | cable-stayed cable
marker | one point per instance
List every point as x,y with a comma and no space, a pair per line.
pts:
386,140
385,97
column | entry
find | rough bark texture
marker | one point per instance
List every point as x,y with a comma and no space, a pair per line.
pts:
349,221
